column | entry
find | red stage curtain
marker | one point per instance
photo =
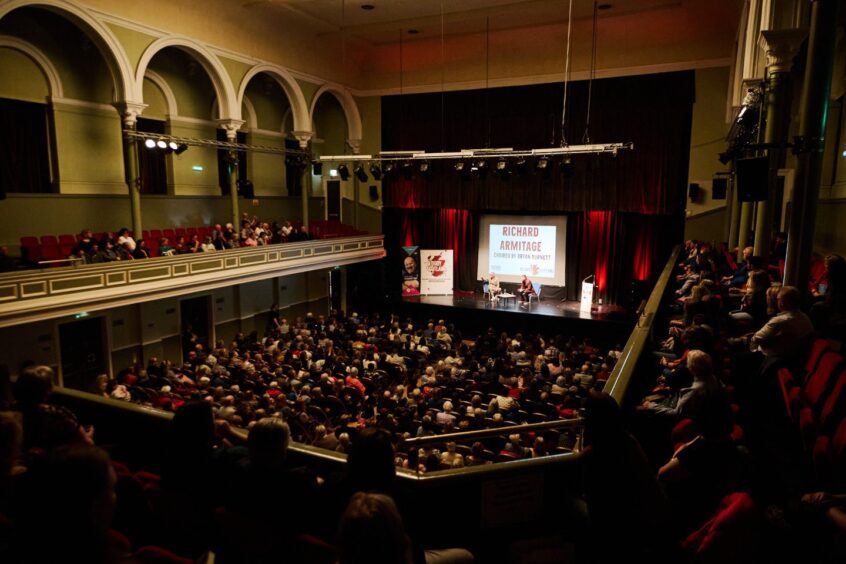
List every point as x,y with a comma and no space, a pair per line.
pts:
652,111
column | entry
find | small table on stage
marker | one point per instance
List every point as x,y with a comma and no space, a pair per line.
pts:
506,296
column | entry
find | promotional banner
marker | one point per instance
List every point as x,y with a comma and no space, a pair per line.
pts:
411,271
436,272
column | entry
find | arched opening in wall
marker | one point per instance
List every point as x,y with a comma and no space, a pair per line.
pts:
55,107
266,102
179,93
330,138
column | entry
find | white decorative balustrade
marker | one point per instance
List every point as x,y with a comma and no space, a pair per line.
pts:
54,292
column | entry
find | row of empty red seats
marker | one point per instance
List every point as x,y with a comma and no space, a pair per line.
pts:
55,248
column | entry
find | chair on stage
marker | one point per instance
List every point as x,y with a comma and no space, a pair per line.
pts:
536,286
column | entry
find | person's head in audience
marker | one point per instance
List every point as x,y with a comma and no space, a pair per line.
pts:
371,532
603,419
370,461
700,365
789,299
33,387
268,442
747,253
759,281
74,505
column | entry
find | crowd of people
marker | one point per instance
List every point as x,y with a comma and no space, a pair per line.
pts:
353,384
715,455
331,376
123,246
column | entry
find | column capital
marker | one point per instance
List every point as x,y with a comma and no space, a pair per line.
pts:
781,46
231,126
303,137
355,145
130,111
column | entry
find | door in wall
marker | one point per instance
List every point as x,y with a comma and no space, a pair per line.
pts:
82,346
194,317
333,200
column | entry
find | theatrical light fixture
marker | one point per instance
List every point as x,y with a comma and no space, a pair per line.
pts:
161,144
316,168
501,165
376,172
407,170
424,167
388,169
360,173
344,172
542,163
333,173
459,166
181,149
521,165
566,167
150,143
172,145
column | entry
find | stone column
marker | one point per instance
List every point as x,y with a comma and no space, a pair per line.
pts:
355,145
743,230
304,137
129,112
811,141
781,47
232,126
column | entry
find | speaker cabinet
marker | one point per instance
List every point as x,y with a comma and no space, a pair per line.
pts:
752,179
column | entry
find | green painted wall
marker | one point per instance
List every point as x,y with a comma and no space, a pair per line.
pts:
77,60
188,80
134,42
24,78
58,214
90,153
155,100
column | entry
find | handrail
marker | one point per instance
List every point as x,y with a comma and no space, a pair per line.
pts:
621,375
51,293
494,432
21,275
340,458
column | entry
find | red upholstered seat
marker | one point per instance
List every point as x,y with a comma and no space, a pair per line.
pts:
170,234
818,385
731,535
49,240
819,347
180,231
155,233
67,240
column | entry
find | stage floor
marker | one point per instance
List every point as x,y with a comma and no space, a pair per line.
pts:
556,308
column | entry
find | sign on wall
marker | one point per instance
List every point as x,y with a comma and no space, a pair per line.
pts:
436,272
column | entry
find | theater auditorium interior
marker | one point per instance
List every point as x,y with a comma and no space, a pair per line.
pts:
398,281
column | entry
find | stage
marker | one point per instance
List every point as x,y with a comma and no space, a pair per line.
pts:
609,323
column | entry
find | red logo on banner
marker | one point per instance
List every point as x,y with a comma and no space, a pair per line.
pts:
435,265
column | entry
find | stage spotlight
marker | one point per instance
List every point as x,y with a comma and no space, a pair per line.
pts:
316,168
389,169
181,149
424,168
161,144
172,146
542,164
501,165
150,143
567,168
521,165
407,170
343,171
376,172
360,173
459,166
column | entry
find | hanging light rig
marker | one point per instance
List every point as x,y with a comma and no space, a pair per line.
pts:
506,157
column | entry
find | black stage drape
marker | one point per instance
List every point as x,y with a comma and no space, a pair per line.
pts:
24,154
624,212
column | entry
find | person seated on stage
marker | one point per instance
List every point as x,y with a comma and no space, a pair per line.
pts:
526,289
493,287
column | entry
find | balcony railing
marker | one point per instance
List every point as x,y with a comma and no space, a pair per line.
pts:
36,295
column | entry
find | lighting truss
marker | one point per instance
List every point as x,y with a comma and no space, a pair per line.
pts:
242,147
596,148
